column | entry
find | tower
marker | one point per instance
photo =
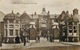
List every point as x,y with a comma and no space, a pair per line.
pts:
43,9
75,11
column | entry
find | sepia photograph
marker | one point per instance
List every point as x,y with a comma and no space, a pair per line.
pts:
39,24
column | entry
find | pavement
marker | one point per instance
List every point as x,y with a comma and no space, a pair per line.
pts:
43,43
71,43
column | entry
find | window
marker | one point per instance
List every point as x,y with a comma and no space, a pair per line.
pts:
70,31
11,26
75,27
75,31
16,31
5,26
70,23
75,23
63,30
11,32
5,21
17,25
70,27
11,21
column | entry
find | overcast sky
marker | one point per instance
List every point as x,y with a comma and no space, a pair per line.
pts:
54,6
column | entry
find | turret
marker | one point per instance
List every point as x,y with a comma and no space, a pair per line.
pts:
75,11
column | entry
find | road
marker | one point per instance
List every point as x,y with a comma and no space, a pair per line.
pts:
43,43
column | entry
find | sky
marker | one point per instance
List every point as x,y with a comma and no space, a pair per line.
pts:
31,6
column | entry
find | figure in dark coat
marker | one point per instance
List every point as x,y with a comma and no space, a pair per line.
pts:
51,38
17,39
27,36
38,38
48,37
24,40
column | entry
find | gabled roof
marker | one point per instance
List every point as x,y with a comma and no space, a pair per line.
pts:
25,16
78,16
43,13
10,16
73,18
34,16
52,16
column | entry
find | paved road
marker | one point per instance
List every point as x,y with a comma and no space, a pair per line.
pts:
43,43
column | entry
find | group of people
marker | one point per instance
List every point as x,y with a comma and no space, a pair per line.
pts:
25,39
38,37
49,37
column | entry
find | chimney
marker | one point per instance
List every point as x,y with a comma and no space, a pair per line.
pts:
17,12
48,12
24,12
12,11
63,12
34,13
75,11
43,9
67,12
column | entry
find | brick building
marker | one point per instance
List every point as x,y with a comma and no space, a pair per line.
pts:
69,29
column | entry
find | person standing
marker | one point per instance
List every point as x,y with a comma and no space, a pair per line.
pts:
51,38
48,37
27,37
24,39
38,37
17,39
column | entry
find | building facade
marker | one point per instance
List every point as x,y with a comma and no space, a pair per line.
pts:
11,27
64,27
25,20
73,29
69,29
44,21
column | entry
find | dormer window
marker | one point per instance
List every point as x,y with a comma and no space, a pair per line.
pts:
11,21
75,23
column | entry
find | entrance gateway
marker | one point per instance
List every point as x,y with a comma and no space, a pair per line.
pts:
55,32
32,34
56,35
